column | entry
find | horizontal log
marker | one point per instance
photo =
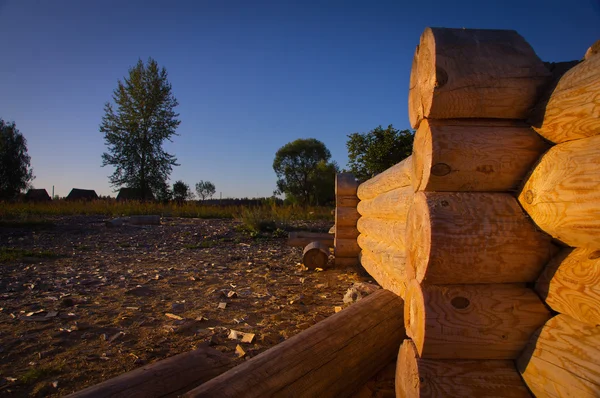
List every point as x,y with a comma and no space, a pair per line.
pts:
387,275
391,205
472,321
468,237
474,155
331,359
501,80
455,378
346,248
563,359
315,255
562,194
345,184
346,261
346,200
169,377
397,176
346,217
572,110
347,233
391,232
303,238
570,284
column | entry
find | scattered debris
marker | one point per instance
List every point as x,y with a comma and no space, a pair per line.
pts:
337,309
239,351
222,305
243,336
173,316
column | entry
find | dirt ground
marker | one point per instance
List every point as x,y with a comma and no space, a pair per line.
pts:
117,298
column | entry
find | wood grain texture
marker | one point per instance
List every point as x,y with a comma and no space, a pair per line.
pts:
381,385
346,200
390,261
391,205
347,233
473,238
572,111
472,321
345,184
474,155
562,194
169,377
397,176
346,217
331,359
315,255
563,359
455,378
501,79
570,284
390,232
346,248
302,238
384,274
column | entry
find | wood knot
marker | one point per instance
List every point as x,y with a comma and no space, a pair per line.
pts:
441,77
594,255
445,203
529,196
440,169
460,303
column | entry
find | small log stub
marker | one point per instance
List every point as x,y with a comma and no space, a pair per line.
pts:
562,359
346,217
562,194
315,255
474,155
472,321
397,176
572,111
346,248
570,284
386,231
169,377
391,205
345,184
501,80
334,358
473,238
455,378
302,238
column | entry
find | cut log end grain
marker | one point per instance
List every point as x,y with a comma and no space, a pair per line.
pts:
315,255
391,232
391,205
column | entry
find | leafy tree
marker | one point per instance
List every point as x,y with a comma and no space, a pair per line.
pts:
304,172
15,167
205,189
134,132
371,153
181,192
164,193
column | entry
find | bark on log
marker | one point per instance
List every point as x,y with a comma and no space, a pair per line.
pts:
563,359
501,80
170,377
562,195
473,238
331,359
397,176
346,248
302,238
391,232
570,284
572,111
472,321
391,205
346,217
474,155
386,276
455,378
345,184
346,200
315,255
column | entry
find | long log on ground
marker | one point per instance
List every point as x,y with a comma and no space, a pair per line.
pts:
302,238
331,359
570,284
397,176
562,194
391,205
501,80
572,110
315,255
345,184
455,378
346,248
391,232
346,217
170,377
472,321
563,359
386,275
474,155
473,238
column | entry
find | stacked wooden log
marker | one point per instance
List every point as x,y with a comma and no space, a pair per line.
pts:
345,246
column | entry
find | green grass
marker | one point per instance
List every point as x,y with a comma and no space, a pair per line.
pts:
35,374
12,254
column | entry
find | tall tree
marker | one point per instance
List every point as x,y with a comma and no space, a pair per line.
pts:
371,153
304,172
205,189
135,131
182,192
15,163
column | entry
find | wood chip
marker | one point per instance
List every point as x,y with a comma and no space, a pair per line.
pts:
337,309
222,305
239,351
173,316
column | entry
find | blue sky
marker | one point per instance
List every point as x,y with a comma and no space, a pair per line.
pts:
250,76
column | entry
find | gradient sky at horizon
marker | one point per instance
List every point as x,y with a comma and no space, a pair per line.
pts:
250,76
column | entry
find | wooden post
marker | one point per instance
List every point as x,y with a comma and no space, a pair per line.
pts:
473,238
563,359
474,155
169,377
390,232
303,238
455,378
472,321
315,255
501,79
333,358
570,284
397,176
391,205
562,195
